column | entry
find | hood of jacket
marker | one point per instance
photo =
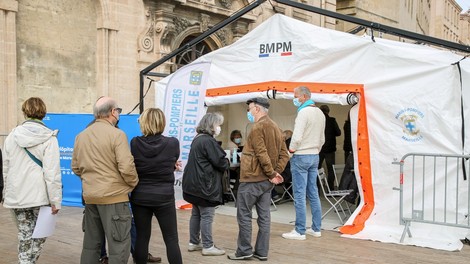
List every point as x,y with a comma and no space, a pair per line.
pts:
32,133
151,146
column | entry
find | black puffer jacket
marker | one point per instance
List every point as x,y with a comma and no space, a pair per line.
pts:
205,168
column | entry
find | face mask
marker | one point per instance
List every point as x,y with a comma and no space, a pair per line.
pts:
237,140
296,102
217,131
250,117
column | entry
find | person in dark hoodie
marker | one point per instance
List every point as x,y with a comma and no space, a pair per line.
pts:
202,183
156,159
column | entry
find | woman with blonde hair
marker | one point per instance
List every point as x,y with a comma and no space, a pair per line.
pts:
156,158
31,170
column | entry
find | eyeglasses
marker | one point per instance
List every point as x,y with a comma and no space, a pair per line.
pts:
119,110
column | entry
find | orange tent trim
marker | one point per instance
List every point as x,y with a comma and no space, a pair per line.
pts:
362,152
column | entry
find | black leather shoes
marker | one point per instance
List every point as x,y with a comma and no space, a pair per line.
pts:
152,259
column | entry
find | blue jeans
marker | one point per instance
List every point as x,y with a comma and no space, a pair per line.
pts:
304,170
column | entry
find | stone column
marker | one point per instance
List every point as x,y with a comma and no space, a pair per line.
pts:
8,90
107,46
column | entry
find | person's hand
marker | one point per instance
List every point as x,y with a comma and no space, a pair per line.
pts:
278,179
54,210
179,165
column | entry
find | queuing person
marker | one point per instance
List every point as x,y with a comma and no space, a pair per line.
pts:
202,183
347,145
104,254
263,159
103,161
1,176
328,150
305,145
31,170
156,158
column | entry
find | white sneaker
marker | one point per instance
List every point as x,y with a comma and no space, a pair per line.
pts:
313,233
293,235
194,247
212,251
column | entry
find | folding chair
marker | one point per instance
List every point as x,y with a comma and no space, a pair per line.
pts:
334,198
338,171
227,186
287,188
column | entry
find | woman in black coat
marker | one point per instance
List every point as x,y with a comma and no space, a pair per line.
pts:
202,183
156,158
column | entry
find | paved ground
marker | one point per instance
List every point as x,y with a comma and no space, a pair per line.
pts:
65,245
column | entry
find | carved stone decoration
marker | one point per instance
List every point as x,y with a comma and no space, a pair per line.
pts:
146,41
205,20
224,35
181,24
226,3
207,2
168,33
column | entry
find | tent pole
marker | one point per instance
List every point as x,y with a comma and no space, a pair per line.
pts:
379,27
193,42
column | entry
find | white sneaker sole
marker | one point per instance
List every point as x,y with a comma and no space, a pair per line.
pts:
293,238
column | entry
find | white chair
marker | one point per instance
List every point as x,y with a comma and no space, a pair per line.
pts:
338,171
334,198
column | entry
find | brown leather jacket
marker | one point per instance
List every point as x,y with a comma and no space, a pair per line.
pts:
264,153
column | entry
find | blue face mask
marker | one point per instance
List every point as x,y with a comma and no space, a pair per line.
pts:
237,140
296,102
250,117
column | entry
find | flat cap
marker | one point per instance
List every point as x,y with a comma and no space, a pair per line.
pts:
259,101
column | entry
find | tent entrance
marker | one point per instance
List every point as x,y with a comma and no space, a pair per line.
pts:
362,151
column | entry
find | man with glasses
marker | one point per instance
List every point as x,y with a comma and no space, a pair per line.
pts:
263,158
103,161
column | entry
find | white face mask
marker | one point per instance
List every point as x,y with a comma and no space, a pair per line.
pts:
217,131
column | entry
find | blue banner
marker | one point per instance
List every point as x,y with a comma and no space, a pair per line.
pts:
69,125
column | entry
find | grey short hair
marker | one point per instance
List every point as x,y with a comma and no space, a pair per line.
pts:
305,91
208,122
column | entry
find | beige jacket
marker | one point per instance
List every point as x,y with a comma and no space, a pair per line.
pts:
102,159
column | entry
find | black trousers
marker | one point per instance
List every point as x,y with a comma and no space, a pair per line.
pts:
166,216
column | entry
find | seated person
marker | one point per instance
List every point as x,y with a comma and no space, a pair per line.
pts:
348,181
235,143
286,174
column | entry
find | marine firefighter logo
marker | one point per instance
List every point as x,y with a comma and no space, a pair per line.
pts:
195,78
410,124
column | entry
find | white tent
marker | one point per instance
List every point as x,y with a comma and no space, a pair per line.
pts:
390,78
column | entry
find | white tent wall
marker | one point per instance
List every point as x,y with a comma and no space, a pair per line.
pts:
400,80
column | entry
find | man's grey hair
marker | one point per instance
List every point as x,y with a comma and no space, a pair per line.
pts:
104,109
304,90
208,122
263,109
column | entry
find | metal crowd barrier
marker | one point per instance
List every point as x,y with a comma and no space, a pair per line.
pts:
434,189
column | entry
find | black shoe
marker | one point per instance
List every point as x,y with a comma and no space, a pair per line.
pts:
260,257
152,259
465,241
235,257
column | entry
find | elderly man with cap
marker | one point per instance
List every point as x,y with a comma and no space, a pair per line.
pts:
263,159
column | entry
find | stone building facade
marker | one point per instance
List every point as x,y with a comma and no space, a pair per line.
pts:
71,52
